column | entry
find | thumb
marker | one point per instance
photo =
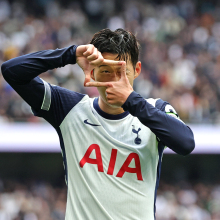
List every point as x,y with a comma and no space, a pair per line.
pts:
123,71
87,77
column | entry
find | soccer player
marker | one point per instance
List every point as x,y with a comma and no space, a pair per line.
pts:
112,145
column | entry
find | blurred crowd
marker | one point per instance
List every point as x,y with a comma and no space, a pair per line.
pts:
180,49
41,201
185,202
32,201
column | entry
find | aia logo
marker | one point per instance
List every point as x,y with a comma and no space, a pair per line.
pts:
137,140
125,167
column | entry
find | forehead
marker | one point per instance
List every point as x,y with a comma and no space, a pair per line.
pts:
111,56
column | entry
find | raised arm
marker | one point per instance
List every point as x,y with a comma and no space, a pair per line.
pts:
21,72
170,130
49,102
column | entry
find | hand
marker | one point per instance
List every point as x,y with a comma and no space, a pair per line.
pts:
87,57
117,92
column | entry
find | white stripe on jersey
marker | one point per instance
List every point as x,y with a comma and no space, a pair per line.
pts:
47,97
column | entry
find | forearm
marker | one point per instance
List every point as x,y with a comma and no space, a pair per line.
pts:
21,72
172,132
23,69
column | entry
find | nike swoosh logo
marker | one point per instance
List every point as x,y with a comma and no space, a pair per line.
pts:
86,122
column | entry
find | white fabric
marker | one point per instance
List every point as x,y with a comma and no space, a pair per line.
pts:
94,195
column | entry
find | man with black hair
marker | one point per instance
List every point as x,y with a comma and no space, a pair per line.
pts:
112,145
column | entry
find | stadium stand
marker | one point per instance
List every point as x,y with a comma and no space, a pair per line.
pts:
180,50
42,201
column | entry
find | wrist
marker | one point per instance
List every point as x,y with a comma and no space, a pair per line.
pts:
126,95
70,55
127,104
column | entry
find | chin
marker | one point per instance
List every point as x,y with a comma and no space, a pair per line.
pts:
112,106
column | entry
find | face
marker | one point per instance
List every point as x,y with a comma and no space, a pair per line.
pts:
108,73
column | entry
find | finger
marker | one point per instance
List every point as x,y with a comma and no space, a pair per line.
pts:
89,50
98,61
87,77
109,90
108,95
112,62
123,71
94,55
109,98
98,84
111,101
80,50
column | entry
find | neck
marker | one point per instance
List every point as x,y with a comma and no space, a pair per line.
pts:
108,109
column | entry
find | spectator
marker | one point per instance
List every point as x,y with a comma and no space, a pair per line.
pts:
180,51
42,201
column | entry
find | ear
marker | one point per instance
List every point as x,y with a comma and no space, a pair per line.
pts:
137,69
92,75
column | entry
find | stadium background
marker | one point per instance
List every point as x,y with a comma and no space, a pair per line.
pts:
180,54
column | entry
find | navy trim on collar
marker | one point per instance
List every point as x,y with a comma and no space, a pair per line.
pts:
106,115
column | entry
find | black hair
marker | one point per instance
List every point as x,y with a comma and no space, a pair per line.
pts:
120,42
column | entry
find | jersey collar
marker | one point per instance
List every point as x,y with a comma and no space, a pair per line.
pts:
106,115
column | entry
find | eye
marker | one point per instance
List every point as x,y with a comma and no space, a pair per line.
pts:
105,71
128,71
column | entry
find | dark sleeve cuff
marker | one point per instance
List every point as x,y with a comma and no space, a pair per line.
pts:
133,97
70,55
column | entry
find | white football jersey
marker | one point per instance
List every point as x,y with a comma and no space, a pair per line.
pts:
112,165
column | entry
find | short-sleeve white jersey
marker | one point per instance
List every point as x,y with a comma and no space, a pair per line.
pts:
111,165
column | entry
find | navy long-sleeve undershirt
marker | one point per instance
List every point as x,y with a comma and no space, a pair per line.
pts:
22,74
171,131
